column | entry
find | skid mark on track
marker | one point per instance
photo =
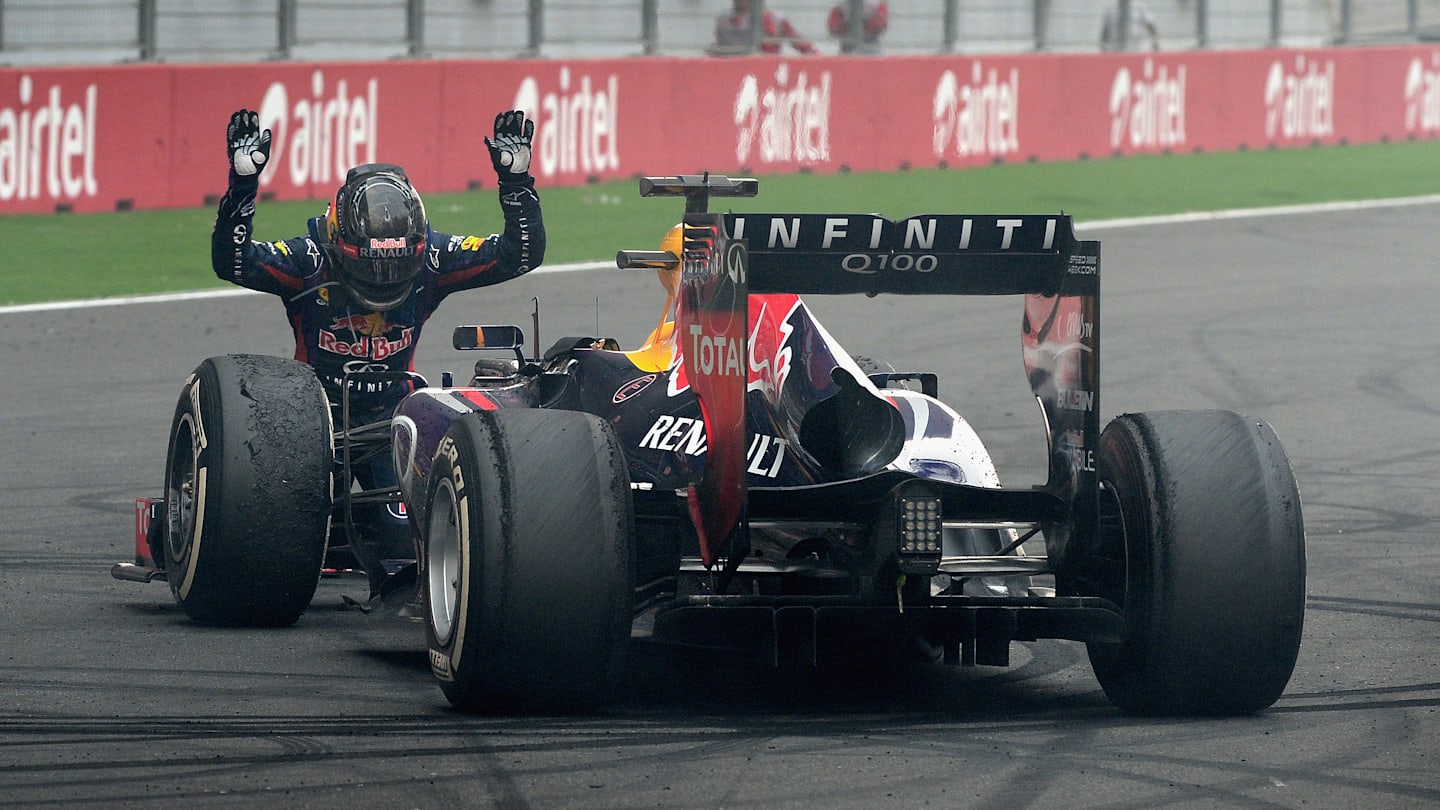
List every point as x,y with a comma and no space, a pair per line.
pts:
1323,518
1393,387
1409,611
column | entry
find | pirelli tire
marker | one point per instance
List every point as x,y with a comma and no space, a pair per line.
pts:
527,570
1213,573
247,491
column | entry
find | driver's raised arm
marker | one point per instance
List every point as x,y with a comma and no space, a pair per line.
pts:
472,261
233,255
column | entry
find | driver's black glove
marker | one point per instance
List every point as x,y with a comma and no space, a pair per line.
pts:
510,148
247,149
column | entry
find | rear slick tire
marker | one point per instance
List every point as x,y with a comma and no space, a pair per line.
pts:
247,491
527,570
1214,575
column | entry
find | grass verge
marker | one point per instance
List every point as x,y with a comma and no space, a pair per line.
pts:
70,256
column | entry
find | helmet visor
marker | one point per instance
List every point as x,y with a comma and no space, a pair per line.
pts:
379,273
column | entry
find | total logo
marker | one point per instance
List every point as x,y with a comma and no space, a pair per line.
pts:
1422,95
1300,99
978,118
783,122
320,132
1148,111
717,355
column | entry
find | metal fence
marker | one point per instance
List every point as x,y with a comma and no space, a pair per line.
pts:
54,32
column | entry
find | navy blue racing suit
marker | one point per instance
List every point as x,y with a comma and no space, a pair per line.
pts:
334,335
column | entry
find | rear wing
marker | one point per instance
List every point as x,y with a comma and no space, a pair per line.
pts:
937,254
1037,256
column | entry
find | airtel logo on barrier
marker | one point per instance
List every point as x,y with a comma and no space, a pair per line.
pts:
982,118
576,128
1148,111
1300,103
1422,95
320,135
47,145
783,123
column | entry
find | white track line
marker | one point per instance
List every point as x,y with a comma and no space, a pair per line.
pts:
1104,224
1247,213
224,292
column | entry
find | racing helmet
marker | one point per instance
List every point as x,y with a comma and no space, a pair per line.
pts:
378,230
673,243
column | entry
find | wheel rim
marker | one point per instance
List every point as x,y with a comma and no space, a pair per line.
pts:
442,561
1105,572
180,492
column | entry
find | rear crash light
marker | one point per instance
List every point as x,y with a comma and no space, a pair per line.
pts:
920,525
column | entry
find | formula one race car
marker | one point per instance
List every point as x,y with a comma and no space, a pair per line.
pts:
741,482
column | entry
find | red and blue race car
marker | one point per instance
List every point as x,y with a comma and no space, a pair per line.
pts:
740,481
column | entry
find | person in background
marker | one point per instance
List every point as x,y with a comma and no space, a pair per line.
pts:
864,39
733,32
1142,30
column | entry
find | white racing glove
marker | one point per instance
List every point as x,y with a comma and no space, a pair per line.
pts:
510,148
246,147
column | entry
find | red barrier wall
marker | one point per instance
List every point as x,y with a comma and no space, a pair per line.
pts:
98,138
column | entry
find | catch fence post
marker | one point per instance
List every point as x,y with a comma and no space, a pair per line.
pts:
1123,34
415,26
1040,23
757,25
145,32
650,27
285,27
951,25
536,19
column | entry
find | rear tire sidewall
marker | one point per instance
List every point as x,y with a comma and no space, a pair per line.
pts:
1214,588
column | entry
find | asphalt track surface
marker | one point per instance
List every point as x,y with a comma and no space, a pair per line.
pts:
1323,324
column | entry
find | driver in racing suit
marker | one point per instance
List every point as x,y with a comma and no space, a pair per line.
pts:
360,284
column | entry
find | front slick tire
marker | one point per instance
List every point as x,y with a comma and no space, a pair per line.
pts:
528,573
1214,543
247,491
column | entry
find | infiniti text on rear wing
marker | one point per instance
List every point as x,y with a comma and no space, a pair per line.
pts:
955,254
1036,256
